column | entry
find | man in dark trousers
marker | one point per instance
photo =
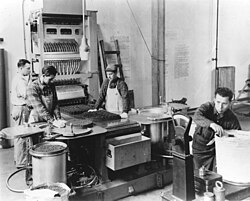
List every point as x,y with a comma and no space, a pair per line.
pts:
211,119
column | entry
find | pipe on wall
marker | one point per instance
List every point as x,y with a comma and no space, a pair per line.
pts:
3,97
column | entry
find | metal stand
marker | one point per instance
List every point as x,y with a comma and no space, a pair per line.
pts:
183,171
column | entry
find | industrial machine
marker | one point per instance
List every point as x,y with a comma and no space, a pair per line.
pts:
58,32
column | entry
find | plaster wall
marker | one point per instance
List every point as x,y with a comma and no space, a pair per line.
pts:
234,43
130,23
190,47
190,37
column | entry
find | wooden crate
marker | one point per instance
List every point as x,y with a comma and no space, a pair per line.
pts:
126,151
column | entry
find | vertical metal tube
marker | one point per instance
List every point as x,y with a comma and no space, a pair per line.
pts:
216,47
3,98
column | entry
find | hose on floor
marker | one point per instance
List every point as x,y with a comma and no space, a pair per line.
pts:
8,179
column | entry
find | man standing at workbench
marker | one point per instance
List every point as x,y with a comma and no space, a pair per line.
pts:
20,111
114,92
43,98
211,119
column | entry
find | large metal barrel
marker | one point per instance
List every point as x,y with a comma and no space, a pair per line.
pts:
49,163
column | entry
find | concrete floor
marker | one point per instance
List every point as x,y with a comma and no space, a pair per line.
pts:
17,182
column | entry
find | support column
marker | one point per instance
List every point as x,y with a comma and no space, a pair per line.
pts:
158,51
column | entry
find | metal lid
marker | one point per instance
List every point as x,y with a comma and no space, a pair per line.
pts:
48,148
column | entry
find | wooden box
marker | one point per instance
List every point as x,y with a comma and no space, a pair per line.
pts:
126,151
206,182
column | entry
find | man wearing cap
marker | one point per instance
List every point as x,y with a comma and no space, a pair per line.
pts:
114,92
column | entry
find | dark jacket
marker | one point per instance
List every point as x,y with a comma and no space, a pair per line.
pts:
204,116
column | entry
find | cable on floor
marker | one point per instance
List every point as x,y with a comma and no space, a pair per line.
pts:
8,179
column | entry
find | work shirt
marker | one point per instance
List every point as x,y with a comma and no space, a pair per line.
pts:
43,99
122,89
203,117
19,89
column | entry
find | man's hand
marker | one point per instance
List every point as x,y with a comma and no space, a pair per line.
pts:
217,129
92,110
124,115
60,123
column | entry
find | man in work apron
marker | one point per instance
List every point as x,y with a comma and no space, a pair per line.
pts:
114,92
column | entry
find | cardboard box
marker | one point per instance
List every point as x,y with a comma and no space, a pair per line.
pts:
126,151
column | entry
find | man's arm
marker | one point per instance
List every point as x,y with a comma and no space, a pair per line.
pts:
102,94
123,90
201,115
57,112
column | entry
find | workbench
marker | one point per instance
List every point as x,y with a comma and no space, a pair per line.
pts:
131,180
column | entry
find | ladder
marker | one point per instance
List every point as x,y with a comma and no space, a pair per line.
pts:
104,54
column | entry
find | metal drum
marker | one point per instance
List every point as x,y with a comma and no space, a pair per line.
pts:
157,129
49,163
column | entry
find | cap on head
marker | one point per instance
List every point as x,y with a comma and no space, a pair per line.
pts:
111,68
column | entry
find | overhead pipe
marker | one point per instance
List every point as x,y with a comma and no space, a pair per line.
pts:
216,47
24,34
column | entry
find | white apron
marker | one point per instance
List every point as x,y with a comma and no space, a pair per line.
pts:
113,101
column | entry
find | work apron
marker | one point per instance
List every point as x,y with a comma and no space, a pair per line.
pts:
47,101
113,101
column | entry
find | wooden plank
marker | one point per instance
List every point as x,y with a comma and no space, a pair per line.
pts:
93,54
119,60
226,77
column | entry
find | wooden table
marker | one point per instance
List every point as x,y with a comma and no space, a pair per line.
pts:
20,131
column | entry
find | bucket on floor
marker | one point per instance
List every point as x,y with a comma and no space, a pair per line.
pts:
49,163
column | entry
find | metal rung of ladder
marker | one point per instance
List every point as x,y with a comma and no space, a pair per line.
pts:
104,54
